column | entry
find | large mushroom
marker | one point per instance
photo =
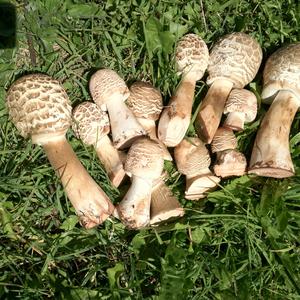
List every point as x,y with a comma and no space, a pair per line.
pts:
233,63
192,60
144,164
271,154
230,162
145,101
91,125
109,91
40,108
193,160
164,205
240,107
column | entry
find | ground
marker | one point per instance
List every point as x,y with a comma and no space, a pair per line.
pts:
242,242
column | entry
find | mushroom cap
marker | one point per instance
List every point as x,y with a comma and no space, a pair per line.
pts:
90,122
145,159
192,55
242,100
235,57
282,72
106,85
39,107
145,101
224,139
191,156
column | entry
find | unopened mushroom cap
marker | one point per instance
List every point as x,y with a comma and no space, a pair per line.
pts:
235,57
106,85
90,123
282,72
242,100
191,156
145,159
145,101
39,107
192,55
224,139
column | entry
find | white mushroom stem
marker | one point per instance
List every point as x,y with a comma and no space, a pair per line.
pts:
211,109
235,121
110,158
164,205
90,202
176,117
150,127
134,209
124,126
271,154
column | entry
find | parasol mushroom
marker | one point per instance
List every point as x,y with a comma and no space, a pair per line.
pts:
193,160
192,60
144,164
145,101
271,154
233,63
91,125
240,107
109,92
40,108
230,162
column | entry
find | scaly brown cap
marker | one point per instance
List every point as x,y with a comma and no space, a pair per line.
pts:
191,156
235,57
145,159
145,101
90,122
105,85
282,71
39,107
224,139
192,55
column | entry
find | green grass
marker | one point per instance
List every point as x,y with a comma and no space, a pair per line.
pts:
242,242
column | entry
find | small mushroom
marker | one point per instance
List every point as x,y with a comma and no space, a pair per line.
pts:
230,162
192,60
281,86
144,164
91,125
109,92
233,63
241,107
164,205
193,160
145,101
40,108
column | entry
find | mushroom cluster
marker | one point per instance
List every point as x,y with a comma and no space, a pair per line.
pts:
143,130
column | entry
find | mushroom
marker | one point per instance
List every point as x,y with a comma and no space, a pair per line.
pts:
144,164
230,162
109,92
145,101
40,108
164,205
193,160
192,60
233,63
91,125
271,154
241,107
